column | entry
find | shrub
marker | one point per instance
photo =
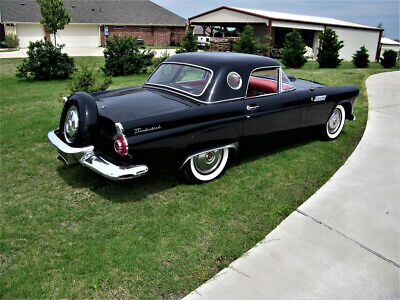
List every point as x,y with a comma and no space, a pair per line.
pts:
11,40
156,61
45,61
389,59
293,50
123,57
328,52
361,58
275,53
246,43
85,81
189,43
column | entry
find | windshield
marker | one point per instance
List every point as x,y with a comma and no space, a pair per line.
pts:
189,79
286,83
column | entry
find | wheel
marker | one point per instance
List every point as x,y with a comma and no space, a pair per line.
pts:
335,123
78,120
206,166
70,122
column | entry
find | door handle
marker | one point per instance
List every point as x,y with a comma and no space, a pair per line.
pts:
252,107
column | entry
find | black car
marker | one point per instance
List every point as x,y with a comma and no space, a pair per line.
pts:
194,110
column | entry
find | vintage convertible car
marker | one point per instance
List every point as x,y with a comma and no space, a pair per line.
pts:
194,110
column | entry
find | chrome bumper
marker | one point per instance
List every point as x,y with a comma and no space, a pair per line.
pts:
86,156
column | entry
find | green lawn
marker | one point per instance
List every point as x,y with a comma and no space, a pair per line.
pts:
69,233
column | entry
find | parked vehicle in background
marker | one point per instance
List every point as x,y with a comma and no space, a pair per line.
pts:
203,41
194,110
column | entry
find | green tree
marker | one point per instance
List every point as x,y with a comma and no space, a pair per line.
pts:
54,16
361,58
293,50
267,45
246,43
328,52
189,42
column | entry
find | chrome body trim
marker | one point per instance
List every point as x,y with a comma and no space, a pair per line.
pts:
233,146
96,163
240,77
184,64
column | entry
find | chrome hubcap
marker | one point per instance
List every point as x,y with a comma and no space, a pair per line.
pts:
71,124
207,162
334,121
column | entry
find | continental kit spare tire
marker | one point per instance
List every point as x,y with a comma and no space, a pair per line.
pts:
78,119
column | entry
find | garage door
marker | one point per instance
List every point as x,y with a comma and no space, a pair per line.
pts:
73,36
29,33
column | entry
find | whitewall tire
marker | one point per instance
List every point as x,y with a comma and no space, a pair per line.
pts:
206,166
335,123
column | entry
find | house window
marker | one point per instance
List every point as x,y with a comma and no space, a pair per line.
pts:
119,27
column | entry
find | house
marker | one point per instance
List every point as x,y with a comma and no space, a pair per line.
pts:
95,21
387,44
277,25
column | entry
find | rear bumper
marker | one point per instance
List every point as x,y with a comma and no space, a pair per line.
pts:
86,156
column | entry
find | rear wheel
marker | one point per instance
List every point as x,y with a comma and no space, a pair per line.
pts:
206,166
334,126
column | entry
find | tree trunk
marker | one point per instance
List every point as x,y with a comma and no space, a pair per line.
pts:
55,39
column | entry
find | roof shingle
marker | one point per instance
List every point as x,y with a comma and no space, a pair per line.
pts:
126,12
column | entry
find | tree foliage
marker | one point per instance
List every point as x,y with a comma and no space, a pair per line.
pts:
389,58
246,43
361,58
293,50
45,61
189,43
328,52
54,16
267,45
123,57
85,81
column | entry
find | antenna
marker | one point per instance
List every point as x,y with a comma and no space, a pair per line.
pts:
312,72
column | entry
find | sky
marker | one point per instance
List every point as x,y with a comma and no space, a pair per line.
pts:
367,12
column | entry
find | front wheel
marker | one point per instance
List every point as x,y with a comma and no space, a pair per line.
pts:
334,126
206,166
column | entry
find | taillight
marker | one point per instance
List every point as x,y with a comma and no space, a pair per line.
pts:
121,145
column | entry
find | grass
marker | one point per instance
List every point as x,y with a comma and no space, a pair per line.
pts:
9,50
68,233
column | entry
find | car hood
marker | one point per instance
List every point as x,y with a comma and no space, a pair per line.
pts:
138,103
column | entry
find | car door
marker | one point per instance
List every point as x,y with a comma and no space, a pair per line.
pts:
315,107
266,109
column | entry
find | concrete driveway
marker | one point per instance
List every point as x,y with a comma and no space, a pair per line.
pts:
92,51
343,242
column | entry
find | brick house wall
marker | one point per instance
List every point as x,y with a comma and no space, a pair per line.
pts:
152,35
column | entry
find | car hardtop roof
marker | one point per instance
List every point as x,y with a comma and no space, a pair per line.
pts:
214,60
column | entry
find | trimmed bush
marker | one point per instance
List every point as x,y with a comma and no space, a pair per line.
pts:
389,59
85,81
45,61
123,57
11,41
157,61
361,58
246,43
189,43
293,50
328,52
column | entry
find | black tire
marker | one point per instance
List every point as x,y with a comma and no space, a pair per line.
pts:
197,172
335,123
87,114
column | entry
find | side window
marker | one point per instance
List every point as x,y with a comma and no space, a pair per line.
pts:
263,82
286,83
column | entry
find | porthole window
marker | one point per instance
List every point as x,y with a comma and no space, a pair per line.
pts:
234,80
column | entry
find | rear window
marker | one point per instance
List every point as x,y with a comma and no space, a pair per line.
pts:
189,79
